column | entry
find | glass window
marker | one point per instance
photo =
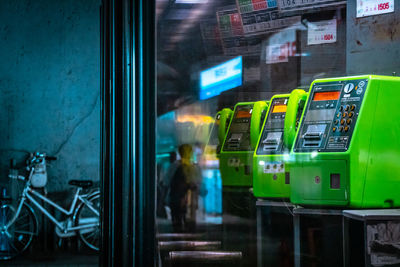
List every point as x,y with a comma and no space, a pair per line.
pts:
277,132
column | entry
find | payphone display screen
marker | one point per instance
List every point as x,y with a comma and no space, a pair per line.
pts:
243,114
238,137
330,116
279,109
325,96
271,141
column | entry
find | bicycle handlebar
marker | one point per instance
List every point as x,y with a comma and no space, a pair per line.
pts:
13,176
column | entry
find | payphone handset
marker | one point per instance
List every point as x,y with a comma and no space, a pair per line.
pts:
225,116
257,118
294,110
213,144
271,177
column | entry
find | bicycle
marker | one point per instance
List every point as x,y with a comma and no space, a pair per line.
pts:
19,224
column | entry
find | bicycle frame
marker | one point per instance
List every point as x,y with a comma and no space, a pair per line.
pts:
28,193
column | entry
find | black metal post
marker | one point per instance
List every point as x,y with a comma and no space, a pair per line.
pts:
128,133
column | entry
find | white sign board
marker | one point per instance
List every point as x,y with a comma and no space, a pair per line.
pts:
281,46
322,32
374,7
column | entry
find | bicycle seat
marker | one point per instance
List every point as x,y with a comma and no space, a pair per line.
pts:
81,183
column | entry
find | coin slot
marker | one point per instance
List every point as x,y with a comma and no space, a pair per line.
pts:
287,177
335,181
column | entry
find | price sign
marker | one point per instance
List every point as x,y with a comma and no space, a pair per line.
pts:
260,22
246,6
290,4
241,46
229,22
322,32
374,7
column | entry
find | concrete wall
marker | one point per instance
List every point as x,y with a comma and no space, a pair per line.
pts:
324,60
373,42
50,85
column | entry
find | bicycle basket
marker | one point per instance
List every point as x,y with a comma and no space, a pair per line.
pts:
39,176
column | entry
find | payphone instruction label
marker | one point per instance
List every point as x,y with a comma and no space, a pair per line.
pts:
274,167
322,32
374,7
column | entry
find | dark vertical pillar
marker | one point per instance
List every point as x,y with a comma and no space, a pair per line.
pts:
128,133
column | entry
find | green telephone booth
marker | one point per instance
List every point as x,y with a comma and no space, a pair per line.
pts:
271,172
346,152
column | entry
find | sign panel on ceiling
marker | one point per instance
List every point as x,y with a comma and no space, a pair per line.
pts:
246,6
261,22
284,4
322,32
374,7
229,21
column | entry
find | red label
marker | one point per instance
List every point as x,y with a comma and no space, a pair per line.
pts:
328,37
236,23
383,6
292,49
259,4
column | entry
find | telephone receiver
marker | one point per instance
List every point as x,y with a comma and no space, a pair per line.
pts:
295,107
224,119
257,119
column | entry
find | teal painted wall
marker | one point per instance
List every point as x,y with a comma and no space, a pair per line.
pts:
50,86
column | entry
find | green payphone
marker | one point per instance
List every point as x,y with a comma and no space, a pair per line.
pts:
347,148
236,155
271,176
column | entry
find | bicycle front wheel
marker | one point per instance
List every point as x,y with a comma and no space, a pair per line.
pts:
18,236
88,217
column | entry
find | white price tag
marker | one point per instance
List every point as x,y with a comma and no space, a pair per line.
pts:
374,7
322,32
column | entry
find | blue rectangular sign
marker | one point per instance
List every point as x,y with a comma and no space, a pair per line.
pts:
221,78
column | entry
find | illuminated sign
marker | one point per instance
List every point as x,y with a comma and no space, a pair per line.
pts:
221,78
374,7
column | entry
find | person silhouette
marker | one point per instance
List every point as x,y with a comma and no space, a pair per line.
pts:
184,186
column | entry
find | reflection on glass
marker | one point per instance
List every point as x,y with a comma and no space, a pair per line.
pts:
266,95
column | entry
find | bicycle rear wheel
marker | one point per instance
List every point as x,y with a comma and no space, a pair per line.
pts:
16,238
89,215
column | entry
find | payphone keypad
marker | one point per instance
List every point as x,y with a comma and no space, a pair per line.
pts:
330,116
271,141
238,137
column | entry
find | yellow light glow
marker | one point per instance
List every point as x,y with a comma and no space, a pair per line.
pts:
195,119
